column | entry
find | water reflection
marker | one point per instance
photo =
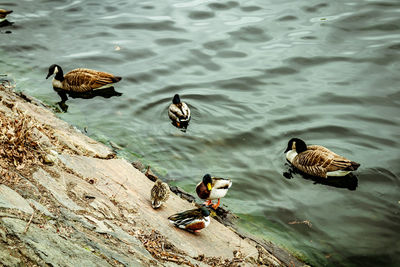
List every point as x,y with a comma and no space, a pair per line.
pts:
349,181
6,23
106,93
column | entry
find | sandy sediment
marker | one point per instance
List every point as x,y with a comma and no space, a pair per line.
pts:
67,200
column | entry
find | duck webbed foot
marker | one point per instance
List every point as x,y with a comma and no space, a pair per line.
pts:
207,203
215,206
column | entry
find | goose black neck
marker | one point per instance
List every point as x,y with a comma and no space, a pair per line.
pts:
59,75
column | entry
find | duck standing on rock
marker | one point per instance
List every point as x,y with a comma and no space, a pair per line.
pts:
317,160
191,220
179,112
81,80
159,194
213,188
3,14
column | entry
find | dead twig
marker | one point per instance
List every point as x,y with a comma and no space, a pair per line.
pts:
307,222
30,220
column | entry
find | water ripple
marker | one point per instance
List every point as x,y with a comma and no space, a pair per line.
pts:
171,41
250,8
218,44
197,15
250,34
137,54
223,6
287,18
151,26
230,54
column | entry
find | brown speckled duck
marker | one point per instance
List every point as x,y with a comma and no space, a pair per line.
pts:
317,160
159,194
81,80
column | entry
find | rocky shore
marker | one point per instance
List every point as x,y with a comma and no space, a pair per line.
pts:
67,200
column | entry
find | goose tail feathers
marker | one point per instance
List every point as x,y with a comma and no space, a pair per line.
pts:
354,166
116,79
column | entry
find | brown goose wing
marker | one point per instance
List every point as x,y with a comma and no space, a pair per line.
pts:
318,162
4,13
313,162
338,162
325,150
83,80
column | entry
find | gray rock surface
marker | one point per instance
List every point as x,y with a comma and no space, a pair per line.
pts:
10,199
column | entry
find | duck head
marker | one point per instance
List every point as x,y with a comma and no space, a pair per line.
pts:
156,203
56,69
207,181
176,100
204,211
296,144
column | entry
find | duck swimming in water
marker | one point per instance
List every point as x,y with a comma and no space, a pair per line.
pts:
317,160
179,112
81,80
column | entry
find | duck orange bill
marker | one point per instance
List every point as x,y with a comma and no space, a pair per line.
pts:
209,187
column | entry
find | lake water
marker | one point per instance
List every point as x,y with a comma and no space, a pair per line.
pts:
255,74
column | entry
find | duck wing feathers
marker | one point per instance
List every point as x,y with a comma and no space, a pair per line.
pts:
83,80
191,220
221,183
186,216
318,161
179,112
160,192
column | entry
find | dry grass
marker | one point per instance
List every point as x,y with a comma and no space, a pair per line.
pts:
221,262
18,145
161,249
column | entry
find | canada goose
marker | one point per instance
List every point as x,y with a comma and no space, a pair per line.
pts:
4,13
81,80
179,112
317,160
213,188
191,220
159,194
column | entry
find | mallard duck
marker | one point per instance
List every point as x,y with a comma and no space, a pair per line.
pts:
159,194
179,112
4,13
317,160
81,80
213,188
191,220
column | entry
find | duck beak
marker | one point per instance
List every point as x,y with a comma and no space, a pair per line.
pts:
209,187
287,149
48,75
